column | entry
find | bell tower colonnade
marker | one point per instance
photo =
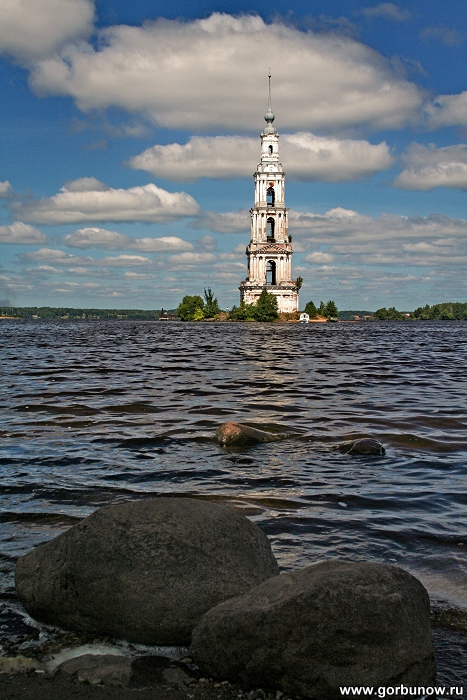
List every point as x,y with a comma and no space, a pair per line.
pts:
269,252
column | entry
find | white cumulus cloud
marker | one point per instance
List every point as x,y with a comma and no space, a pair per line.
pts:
95,238
353,230
191,75
20,233
59,257
6,190
428,167
228,222
111,240
192,258
311,157
306,156
87,199
353,239
163,244
387,10
319,258
448,110
124,261
31,29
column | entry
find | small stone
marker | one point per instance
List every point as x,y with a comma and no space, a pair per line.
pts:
98,669
18,664
176,677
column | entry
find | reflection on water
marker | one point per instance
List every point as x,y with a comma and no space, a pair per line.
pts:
95,413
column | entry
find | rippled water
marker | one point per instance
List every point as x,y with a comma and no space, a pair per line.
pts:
94,413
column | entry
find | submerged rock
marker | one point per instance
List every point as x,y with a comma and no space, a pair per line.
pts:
365,446
146,570
311,631
232,434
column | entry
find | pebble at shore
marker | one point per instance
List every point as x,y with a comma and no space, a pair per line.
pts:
140,678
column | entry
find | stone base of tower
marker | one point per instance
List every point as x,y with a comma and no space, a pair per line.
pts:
286,294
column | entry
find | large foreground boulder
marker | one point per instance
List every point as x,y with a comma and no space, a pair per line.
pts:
145,571
311,631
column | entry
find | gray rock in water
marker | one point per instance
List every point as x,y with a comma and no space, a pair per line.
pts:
366,446
145,571
233,434
311,631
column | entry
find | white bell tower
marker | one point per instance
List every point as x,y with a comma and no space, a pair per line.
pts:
270,250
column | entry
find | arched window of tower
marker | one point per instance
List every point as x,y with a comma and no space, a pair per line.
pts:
270,230
270,197
270,149
271,273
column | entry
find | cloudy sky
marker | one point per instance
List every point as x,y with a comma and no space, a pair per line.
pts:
130,134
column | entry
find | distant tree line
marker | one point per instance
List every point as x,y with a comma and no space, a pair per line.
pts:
356,314
449,311
195,308
49,313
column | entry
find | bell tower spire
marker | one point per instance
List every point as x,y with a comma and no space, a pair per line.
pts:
270,250
269,116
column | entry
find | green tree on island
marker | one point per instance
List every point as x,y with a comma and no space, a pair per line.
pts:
328,310
191,308
244,312
266,307
311,310
391,314
211,307
331,310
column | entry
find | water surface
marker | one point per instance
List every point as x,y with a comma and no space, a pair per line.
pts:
101,412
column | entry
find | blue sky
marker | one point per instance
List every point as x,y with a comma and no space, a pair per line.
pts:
130,134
